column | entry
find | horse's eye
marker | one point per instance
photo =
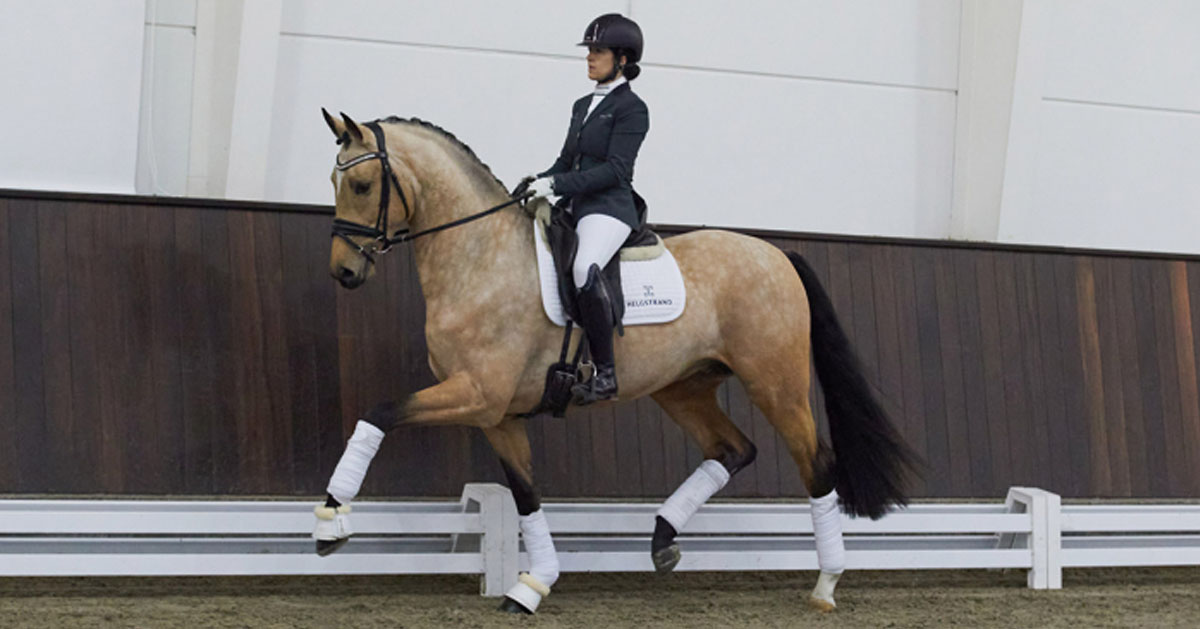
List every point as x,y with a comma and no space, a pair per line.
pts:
362,188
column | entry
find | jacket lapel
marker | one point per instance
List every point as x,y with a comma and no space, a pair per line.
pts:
608,103
580,111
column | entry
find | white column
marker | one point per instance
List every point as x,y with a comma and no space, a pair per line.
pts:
253,100
1020,177
237,46
989,35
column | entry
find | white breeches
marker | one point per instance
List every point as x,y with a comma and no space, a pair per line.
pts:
600,236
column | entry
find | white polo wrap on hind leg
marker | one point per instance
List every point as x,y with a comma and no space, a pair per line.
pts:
827,529
707,480
543,562
831,549
352,468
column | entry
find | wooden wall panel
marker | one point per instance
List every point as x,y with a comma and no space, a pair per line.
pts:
1131,381
992,336
1185,369
1193,288
9,470
29,410
54,286
194,347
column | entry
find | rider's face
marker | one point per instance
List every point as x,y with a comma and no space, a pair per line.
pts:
600,62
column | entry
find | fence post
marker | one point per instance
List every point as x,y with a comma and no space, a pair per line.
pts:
1045,539
1038,575
499,545
1053,541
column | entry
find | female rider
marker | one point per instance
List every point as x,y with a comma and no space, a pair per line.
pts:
594,175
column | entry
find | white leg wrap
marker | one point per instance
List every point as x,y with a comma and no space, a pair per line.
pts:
543,562
827,529
348,476
707,480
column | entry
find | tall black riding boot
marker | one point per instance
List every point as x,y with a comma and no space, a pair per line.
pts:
596,312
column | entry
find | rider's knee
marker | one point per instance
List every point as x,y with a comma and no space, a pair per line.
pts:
582,270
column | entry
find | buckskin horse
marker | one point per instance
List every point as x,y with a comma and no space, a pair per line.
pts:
752,311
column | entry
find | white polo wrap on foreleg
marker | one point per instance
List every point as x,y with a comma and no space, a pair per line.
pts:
543,562
707,480
827,529
348,476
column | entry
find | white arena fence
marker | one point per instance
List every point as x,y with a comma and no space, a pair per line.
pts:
1031,530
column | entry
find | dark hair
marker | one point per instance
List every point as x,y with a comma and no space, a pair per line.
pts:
631,69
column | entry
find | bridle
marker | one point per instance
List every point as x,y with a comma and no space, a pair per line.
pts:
382,243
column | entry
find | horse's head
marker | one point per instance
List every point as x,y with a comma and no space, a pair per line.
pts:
370,200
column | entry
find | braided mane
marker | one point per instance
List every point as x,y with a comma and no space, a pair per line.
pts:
449,137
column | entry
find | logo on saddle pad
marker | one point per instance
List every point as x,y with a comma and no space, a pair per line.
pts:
661,299
648,298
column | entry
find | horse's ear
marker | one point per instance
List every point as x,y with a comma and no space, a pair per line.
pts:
352,127
335,126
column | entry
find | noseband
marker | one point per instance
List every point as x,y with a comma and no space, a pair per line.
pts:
382,243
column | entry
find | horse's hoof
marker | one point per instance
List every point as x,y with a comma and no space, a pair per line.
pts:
327,547
821,605
513,607
665,559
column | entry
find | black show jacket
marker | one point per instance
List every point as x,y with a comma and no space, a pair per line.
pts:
595,168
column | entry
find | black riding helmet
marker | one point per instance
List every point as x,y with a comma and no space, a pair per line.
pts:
621,34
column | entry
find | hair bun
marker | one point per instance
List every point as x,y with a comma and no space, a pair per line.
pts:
631,71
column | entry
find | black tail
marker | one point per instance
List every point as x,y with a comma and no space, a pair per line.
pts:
873,463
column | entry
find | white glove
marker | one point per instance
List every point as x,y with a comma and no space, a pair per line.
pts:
542,187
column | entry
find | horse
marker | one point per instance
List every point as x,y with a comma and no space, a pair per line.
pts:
752,311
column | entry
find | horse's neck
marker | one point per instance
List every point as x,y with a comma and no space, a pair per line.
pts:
471,265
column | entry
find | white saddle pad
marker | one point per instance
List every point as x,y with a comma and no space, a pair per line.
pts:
653,289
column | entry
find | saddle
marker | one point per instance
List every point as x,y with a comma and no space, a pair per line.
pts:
557,228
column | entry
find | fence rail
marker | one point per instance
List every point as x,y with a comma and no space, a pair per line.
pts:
478,534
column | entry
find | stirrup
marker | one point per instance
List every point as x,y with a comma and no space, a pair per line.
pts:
584,373
584,397
585,392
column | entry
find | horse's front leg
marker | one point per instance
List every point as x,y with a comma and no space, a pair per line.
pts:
458,400
511,443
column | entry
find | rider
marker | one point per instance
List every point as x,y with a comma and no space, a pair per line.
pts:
594,174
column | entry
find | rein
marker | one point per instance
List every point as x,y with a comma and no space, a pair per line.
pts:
382,242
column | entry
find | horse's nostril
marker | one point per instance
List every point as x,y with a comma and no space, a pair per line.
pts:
347,274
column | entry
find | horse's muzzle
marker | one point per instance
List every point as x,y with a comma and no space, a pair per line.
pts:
348,278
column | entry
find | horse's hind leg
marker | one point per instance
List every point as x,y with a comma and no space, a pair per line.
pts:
692,403
511,442
782,396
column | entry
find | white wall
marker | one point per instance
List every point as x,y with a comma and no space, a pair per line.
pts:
71,73
166,96
827,118
1065,122
1105,145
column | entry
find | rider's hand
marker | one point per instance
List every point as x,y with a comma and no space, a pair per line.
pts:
542,187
